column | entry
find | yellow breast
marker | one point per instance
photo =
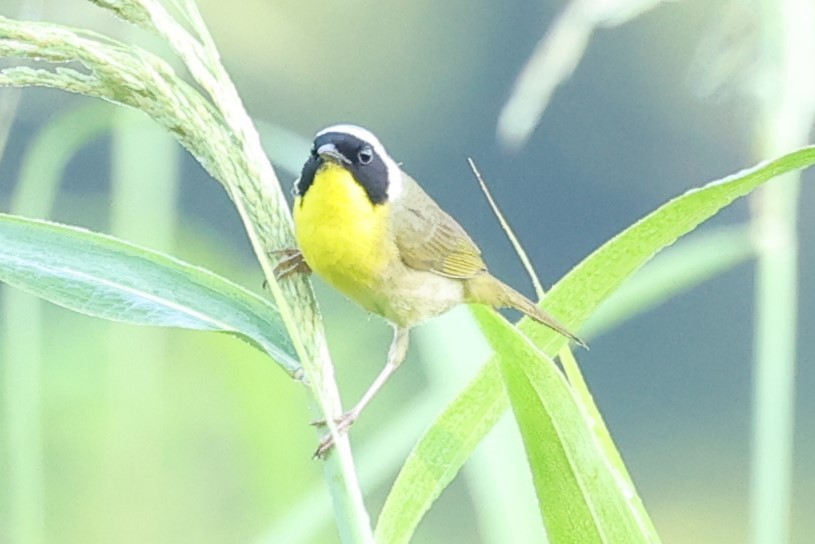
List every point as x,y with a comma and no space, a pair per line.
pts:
342,235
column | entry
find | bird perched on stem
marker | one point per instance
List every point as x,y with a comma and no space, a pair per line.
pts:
370,231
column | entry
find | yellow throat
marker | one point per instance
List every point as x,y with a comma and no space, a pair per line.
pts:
342,235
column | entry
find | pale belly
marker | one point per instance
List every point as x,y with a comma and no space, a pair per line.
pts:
414,296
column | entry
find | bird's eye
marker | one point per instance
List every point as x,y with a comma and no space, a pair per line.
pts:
365,156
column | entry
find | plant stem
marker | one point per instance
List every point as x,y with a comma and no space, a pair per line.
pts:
784,123
262,208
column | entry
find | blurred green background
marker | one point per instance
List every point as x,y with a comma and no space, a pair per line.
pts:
143,435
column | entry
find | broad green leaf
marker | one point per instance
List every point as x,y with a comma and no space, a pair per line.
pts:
579,494
572,300
102,276
433,463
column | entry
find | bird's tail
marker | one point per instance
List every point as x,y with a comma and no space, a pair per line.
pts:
487,289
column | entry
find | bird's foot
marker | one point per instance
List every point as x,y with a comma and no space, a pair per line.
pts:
342,424
291,262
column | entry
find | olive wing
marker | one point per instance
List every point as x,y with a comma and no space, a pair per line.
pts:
429,239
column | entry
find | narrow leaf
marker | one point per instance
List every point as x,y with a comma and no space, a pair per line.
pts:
102,276
433,463
575,297
580,497
678,269
573,300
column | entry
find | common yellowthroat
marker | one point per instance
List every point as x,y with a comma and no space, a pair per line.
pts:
369,230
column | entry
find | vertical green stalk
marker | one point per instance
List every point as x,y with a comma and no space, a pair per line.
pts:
144,193
775,335
8,108
260,203
784,123
21,316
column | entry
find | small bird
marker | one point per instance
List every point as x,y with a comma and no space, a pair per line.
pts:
369,230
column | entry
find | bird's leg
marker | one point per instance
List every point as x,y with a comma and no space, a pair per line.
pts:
291,261
396,354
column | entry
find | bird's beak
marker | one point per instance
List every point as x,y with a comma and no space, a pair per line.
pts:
329,152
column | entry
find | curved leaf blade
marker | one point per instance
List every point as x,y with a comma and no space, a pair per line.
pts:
433,463
578,294
573,300
580,495
102,276
679,268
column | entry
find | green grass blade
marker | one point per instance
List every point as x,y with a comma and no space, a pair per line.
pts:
575,297
435,461
105,277
572,300
581,498
678,269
